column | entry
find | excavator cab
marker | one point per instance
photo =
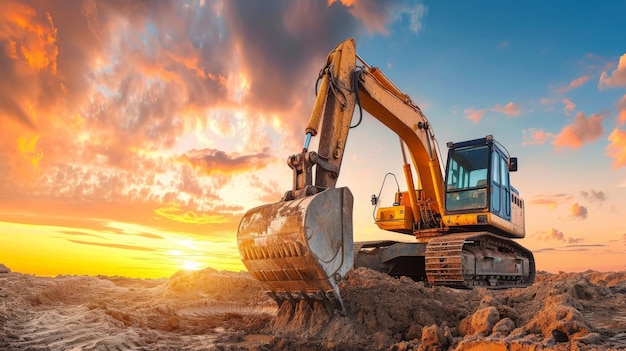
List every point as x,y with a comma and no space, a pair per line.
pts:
478,192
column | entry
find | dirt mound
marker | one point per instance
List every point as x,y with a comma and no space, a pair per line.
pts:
218,310
566,311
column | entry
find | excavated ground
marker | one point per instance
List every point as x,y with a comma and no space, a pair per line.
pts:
220,310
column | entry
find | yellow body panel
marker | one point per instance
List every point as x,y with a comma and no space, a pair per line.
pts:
395,219
472,219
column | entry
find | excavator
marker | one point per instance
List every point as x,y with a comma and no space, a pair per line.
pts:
463,219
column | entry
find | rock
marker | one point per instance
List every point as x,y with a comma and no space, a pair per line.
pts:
480,345
504,327
481,322
414,332
489,300
589,339
508,312
433,337
4,269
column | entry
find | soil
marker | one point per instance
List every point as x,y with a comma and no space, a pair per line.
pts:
221,310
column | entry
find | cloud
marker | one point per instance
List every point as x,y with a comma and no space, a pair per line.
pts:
212,161
593,195
414,12
578,211
617,147
376,15
554,234
578,82
174,212
100,101
616,78
79,233
620,106
270,190
581,247
115,246
532,136
575,83
151,236
575,241
569,106
551,201
551,234
509,109
474,115
582,130
503,44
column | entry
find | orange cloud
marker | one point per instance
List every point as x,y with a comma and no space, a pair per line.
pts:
509,109
621,110
617,147
115,246
583,129
578,211
105,119
569,106
270,190
578,82
102,120
534,136
552,234
211,161
30,37
575,83
617,78
175,213
551,201
474,115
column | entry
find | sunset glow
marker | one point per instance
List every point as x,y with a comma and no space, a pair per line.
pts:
133,136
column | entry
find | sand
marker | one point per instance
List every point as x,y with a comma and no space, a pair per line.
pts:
221,310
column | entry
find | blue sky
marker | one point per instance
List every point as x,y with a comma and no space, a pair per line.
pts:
144,132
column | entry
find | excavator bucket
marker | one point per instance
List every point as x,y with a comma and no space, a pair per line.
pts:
300,249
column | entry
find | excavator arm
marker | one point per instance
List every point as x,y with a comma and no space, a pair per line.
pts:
342,87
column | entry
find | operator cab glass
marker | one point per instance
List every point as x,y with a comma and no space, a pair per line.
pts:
477,178
466,178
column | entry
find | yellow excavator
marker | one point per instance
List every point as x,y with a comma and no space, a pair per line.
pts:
302,247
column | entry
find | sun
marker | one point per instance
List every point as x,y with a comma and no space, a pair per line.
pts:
190,265
183,262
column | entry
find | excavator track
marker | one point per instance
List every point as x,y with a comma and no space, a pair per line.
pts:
478,259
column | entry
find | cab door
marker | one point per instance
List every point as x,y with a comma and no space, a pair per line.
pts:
500,203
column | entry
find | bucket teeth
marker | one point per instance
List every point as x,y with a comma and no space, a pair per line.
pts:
249,251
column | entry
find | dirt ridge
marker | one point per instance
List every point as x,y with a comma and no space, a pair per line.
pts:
221,310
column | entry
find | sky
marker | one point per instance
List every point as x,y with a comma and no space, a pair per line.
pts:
135,134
